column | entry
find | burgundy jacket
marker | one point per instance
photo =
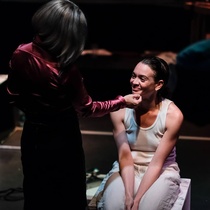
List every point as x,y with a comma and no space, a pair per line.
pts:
38,87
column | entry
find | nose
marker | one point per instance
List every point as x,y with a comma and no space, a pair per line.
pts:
135,81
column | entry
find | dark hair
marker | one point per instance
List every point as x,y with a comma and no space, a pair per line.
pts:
161,72
62,29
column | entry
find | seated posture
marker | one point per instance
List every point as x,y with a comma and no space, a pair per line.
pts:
146,175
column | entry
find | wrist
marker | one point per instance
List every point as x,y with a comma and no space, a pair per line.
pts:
122,101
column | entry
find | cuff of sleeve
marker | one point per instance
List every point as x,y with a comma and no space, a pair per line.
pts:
122,101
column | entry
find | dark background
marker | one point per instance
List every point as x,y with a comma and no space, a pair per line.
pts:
127,29
124,27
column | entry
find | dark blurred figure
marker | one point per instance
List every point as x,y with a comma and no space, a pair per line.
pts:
192,90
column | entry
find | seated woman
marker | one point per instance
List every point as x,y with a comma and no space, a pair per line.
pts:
146,175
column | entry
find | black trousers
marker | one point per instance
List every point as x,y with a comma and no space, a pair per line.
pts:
53,165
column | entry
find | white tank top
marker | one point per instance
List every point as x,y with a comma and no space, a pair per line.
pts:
144,141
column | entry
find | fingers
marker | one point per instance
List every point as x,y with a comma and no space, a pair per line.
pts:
138,97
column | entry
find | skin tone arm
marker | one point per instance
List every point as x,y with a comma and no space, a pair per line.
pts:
124,156
173,124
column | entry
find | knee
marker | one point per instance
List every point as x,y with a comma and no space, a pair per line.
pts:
112,198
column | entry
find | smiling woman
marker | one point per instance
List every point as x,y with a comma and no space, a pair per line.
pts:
146,138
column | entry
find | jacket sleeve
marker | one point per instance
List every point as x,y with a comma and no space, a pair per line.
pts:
84,104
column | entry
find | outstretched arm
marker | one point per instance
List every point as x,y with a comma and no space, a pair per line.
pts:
86,107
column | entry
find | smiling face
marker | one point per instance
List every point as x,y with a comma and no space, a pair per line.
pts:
143,82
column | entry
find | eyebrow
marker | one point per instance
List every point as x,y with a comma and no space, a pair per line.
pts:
143,75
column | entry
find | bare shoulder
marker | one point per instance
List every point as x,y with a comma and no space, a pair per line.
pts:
119,114
117,119
174,112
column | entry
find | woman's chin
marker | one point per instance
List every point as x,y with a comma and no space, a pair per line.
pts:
136,92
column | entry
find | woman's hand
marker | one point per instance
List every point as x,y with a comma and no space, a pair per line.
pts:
132,100
135,206
128,203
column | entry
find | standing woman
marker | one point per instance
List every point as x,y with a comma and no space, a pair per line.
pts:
146,175
45,84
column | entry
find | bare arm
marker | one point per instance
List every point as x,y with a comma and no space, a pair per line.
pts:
124,156
174,121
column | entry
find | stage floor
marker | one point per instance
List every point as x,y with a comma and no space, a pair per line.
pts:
193,151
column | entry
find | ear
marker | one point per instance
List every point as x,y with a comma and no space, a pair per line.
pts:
159,85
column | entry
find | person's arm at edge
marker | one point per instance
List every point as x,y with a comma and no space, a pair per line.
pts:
124,156
86,107
173,124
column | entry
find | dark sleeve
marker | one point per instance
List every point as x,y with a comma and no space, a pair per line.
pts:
83,102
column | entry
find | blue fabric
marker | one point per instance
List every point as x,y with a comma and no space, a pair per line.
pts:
195,57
